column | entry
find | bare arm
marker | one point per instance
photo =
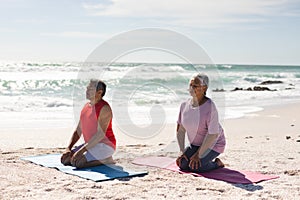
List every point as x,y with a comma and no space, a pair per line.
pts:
75,137
181,140
65,158
181,137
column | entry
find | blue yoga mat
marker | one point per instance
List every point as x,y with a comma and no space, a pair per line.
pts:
98,173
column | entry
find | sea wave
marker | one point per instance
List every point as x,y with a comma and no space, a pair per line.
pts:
51,87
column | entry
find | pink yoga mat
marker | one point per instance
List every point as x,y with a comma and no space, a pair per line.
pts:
223,174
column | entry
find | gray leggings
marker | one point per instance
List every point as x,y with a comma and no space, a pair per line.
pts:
207,162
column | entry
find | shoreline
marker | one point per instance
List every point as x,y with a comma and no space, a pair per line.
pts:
16,138
256,142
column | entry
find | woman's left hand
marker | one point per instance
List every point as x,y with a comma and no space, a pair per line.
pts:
195,162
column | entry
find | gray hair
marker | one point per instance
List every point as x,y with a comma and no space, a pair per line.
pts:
203,78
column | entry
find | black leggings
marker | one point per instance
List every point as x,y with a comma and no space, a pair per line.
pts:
207,162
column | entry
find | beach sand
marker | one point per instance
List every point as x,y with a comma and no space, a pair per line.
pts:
266,141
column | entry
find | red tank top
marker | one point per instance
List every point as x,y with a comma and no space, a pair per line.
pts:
89,123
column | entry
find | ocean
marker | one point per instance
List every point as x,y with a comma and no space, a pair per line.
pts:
45,95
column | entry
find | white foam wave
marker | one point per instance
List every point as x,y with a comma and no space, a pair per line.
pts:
48,87
46,75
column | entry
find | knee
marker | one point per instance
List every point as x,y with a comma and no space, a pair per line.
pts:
81,163
184,165
204,167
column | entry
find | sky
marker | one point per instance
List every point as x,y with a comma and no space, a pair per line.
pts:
230,31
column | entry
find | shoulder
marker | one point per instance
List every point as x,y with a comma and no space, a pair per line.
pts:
209,101
183,105
210,105
106,108
85,106
105,103
105,113
186,102
101,104
103,108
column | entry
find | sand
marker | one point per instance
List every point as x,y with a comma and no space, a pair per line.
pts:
266,141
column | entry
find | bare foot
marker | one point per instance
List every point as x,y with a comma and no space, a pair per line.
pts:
108,160
219,163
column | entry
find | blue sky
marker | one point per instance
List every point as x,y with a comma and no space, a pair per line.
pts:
231,31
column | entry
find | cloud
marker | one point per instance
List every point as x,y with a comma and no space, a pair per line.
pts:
75,34
191,12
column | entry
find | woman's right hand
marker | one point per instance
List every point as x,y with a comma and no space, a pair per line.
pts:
178,160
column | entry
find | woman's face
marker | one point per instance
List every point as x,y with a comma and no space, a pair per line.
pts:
196,89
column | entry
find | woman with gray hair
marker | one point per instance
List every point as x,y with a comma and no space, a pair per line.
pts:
198,119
